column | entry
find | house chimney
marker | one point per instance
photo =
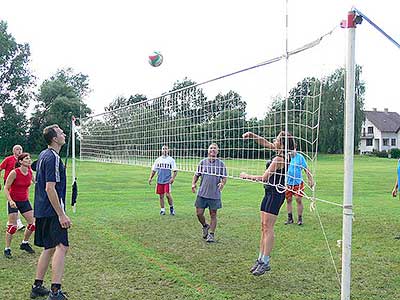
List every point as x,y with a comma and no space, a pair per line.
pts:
374,109
386,110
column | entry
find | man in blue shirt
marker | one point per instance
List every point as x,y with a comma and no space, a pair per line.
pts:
295,186
52,223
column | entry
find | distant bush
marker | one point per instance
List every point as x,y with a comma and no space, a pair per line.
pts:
395,153
380,153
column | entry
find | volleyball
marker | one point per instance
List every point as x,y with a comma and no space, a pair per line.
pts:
155,59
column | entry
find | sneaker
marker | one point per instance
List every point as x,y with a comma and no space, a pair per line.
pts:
210,238
172,212
261,269
300,222
57,296
205,231
162,212
27,248
20,226
7,253
289,221
39,291
254,267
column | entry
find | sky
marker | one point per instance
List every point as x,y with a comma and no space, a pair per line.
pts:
110,41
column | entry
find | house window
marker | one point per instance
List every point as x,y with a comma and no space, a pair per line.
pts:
370,130
369,142
385,142
393,142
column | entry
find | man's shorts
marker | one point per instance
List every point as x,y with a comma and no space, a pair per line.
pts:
22,207
212,204
295,190
49,233
163,188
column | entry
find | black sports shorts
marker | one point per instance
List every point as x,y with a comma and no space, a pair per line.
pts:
22,206
272,201
49,233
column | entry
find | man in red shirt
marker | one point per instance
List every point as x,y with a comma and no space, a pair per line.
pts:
8,164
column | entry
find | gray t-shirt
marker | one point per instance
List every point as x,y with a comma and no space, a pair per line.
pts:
211,172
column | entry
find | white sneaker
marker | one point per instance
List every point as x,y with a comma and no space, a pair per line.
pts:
20,226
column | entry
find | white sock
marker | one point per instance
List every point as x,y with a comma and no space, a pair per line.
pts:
25,242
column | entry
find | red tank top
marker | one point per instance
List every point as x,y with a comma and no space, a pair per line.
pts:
19,190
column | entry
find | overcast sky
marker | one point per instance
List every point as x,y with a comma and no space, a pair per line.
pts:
111,40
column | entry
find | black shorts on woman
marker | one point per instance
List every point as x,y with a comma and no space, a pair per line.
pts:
272,201
274,191
22,207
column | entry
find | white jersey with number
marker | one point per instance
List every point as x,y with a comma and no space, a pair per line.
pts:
164,166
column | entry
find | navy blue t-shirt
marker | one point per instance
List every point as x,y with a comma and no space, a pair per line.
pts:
50,168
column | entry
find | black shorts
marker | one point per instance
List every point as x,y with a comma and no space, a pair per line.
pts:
22,207
272,201
49,233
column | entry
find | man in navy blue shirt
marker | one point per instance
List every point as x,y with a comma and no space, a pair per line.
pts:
52,223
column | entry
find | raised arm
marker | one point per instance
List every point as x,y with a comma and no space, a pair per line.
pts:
258,139
276,163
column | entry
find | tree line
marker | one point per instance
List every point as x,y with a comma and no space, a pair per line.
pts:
62,95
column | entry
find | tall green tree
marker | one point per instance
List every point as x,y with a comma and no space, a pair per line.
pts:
13,128
331,137
59,98
16,79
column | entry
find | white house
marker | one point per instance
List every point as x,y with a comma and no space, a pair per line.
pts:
380,131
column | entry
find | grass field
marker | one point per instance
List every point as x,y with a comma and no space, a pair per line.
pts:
122,249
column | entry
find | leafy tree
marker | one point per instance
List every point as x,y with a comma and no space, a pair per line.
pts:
332,111
16,80
59,98
123,101
13,127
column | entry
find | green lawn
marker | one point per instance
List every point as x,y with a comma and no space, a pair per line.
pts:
122,249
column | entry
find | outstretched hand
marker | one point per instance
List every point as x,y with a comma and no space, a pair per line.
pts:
394,193
247,135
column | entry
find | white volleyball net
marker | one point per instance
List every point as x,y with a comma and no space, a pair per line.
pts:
189,120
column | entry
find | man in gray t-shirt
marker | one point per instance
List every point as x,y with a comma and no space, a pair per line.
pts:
213,179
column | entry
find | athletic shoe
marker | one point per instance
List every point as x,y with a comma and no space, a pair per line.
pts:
300,222
20,226
261,269
39,291
57,296
27,248
205,231
254,267
210,238
162,212
7,253
289,221
172,212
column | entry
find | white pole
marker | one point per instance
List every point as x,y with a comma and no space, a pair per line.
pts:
73,154
348,158
73,148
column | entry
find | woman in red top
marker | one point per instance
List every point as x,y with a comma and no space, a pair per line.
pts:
17,194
